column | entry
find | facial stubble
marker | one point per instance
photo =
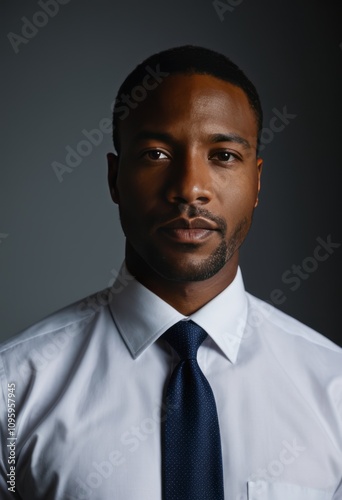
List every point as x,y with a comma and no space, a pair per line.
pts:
208,266
195,270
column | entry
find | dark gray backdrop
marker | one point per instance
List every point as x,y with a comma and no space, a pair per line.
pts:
60,241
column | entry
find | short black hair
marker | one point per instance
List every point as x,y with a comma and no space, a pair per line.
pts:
187,59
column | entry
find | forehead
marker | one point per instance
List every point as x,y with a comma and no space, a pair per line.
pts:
192,104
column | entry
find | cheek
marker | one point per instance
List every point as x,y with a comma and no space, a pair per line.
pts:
238,195
140,188
136,196
136,182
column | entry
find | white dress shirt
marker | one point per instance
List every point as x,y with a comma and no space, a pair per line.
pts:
89,382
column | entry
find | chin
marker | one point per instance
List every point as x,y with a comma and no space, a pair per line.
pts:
191,269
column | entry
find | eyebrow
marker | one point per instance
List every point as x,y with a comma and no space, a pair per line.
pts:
213,138
230,138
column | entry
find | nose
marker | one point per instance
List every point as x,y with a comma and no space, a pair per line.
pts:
190,181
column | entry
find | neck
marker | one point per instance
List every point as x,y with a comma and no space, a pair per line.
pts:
185,297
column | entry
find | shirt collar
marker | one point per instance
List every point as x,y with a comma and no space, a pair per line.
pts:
142,317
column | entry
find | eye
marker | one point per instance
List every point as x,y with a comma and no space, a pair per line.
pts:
223,156
155,154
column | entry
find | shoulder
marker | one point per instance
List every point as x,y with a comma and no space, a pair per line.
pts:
58,328
299,358
284,324
294,345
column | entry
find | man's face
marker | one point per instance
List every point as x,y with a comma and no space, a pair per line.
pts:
187,179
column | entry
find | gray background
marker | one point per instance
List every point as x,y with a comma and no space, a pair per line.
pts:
60,241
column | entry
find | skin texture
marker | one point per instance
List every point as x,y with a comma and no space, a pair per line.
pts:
186,182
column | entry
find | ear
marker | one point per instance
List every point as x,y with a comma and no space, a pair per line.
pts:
259,164
113,165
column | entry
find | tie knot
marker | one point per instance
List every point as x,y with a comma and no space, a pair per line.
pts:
185,337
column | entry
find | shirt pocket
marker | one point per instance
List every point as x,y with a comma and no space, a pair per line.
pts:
262,490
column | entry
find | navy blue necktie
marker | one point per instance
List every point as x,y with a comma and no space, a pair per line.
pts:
192,458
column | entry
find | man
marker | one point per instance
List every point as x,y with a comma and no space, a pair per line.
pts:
107,404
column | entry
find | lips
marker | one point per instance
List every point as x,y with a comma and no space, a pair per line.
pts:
188,230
